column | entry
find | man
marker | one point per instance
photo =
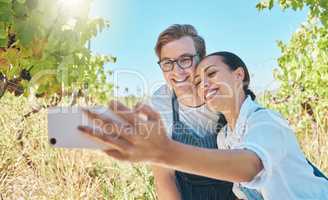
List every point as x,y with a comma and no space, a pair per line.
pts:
186,120
179,49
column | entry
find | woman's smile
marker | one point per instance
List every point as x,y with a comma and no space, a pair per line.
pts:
209,94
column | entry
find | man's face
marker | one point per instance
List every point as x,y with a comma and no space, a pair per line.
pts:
180,80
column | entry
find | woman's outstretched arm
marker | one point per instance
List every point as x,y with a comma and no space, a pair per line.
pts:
229,165
140,140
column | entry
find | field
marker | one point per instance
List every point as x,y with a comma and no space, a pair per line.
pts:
31,169
45,53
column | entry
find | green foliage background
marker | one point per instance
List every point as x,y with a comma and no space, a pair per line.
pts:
49,41
50,45
303,77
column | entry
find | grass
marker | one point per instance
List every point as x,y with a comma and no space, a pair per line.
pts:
31,169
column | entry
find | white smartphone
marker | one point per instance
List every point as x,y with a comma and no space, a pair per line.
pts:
63,125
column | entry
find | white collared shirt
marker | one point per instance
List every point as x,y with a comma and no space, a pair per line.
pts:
286,173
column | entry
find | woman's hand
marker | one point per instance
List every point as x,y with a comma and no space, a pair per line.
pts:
141,137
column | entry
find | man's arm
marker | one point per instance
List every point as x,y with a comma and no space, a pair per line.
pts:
165,183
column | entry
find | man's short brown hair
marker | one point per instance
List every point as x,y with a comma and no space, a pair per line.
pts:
177,31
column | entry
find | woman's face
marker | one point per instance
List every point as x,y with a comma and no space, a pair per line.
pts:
217,84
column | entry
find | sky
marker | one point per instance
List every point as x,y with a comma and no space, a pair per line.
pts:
234,25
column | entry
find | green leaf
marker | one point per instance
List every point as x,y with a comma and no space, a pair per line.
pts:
3,43
271,3
5,17
32,4
5,7
3,32
25,32
5,1
260,6
5,12
296,4
20,10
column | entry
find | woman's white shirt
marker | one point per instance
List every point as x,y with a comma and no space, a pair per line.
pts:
286,173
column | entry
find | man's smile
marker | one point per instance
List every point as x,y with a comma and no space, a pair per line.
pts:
181,80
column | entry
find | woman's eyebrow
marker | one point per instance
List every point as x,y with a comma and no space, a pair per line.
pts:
196,76
207,67
204,70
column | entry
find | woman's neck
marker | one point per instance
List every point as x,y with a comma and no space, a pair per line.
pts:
234,111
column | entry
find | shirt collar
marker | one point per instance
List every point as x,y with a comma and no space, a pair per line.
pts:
247,107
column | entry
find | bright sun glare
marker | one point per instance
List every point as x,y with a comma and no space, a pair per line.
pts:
74,8
70,3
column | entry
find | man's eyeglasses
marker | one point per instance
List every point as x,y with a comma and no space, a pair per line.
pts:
184,61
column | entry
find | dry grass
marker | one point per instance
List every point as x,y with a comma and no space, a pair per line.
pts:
31,169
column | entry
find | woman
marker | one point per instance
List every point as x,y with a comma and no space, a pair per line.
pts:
285,171
259,151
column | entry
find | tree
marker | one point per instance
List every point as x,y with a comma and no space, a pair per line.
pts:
44,49
303,72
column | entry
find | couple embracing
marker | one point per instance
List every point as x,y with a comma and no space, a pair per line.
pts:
206,137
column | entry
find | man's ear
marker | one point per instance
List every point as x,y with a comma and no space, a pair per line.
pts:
239,73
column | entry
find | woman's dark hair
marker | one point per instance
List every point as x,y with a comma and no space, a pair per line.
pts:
234,62
221,122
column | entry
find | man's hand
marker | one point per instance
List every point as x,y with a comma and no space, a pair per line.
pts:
141,137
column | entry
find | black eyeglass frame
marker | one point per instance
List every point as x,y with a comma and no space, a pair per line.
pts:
177,61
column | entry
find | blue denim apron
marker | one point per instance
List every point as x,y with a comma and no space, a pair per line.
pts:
194,187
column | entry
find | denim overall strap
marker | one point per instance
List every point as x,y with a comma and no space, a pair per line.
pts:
185,134
316,171
194,187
